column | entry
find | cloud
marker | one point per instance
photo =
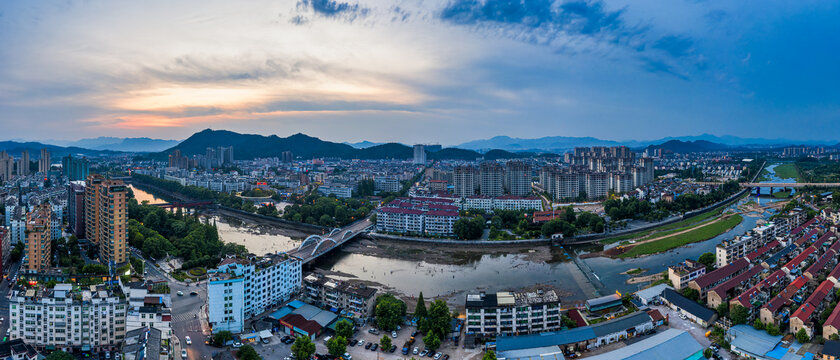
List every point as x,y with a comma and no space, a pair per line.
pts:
676,46
334,9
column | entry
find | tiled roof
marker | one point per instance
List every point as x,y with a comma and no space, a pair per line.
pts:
722,273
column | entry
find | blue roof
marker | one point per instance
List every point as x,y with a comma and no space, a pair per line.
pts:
507,343
277,315
750,340
296,304
667,345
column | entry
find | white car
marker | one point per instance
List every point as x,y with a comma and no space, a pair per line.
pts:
394,334
415,351
188,340
438,356
183,354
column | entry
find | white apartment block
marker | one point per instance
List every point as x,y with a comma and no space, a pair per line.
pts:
508,313
68,317
239,289
731,250
488,204
340,191
387,184
148,308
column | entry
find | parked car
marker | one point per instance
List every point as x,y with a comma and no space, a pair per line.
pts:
416,351
352,342
183,354
424,352
445,357
347,356
373,331
368,345
193,293
180,293
188,340
438,356
394,334
374,347
393,348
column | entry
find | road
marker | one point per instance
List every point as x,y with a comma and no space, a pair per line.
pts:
187,313
4,298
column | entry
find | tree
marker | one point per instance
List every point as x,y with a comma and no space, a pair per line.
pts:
385,343
390,312
303,348
739,314
773,330
802,336
723,309
707,353
420,312
469,228
60,355
344,328
558,226
758,325
438,322
247,352
221,337
690,293
707,259
337,345
834,337
489,355
568,322
432,341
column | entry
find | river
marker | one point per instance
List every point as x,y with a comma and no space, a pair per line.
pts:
483,272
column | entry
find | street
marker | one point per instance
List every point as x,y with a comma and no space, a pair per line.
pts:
4,299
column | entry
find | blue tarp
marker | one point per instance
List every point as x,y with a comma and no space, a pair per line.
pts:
777,352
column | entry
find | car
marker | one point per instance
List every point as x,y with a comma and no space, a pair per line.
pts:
405,350
193,293
393,348
394,334
237,344
368,345
180,293
373,331
2,319
347,356
361,342
415,333
107,354
445,357
424,352
415,351
352,342
438,356
327,339
188,340
374,347
183,354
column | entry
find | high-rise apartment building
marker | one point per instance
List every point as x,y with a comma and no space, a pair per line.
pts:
7,166
419,154
567,185
491,177
287,156
76,208
464,180
23,164
176,160
597,185
76,169
225,155
518,178
106,217
38,242
45,161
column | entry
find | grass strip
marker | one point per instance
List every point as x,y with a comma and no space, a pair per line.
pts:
700,234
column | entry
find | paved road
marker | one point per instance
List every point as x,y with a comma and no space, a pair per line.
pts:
4,300
187,313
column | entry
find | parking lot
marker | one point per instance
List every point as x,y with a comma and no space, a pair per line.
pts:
277,350
696,331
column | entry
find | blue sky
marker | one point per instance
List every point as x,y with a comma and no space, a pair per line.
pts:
421,71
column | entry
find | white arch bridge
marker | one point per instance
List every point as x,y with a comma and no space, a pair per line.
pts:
316,245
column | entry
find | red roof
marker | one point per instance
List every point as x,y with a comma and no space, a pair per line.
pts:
820,264
746,298
760,251
730,284
805,237
655,315
575,315
776,303
720,274
802,227
835,273
300,322
834,318
800,258
810,305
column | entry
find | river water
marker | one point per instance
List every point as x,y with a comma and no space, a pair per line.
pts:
487,272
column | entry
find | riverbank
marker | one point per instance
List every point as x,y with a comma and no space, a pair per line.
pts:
680,238
788,171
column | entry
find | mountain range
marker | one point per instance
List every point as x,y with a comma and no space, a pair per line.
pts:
14,148
563,143
139,144
250,146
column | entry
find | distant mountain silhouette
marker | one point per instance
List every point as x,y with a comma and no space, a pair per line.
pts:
14,148
139,144
679,146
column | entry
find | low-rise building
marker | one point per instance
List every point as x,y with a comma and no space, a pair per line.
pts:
144,343
691,309
69,317
149,306
681,274
357,298
512,313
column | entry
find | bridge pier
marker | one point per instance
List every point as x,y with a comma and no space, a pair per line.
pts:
758,191
771,191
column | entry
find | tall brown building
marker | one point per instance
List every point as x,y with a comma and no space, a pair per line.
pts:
106,218
38,240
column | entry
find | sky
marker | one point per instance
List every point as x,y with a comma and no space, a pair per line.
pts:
420,71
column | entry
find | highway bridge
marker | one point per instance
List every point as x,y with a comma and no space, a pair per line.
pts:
778,185
316,245
191,204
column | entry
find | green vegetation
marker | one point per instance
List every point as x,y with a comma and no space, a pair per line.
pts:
787,171
708,259
257,192
782,194
802,336
16,253
699,234
326,211
221,337
438,323
690,293
635,271
247,352
385,342
157,233
60,355
337,345
619,209
137,264
303,348
489,355
390,312
469,228
816,171
344,328
739,314
681,225
68,253
196,193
